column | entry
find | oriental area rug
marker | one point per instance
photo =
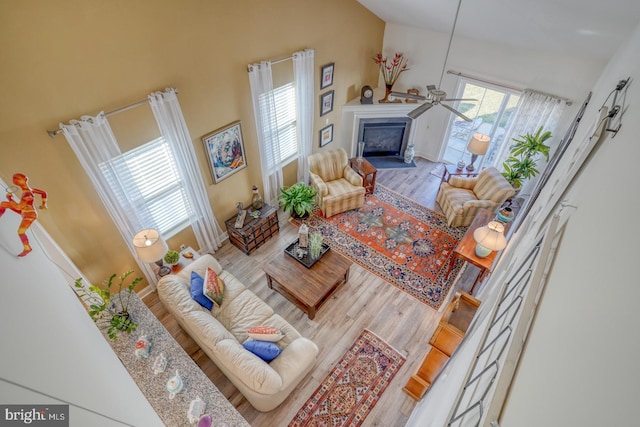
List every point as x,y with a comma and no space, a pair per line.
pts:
399,240
354,385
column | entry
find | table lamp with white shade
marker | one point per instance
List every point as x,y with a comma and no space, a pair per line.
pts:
489,238
150,247
478,146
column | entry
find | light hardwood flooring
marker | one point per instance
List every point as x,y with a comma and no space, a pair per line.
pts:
366,301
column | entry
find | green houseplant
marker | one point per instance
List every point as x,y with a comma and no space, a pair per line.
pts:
298,200
110,309
522,162
172,257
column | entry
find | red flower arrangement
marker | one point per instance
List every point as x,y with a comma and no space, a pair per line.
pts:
391,69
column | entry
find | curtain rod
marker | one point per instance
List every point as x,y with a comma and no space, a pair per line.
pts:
457,73
275,61
54,133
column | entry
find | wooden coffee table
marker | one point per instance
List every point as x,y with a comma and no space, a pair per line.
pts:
307,288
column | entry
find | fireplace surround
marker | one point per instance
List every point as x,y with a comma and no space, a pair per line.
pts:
386,136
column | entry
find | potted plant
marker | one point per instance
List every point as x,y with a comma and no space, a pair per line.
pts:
172,257
298,200
522,162
109,309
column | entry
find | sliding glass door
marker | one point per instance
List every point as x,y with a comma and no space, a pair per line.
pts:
491,115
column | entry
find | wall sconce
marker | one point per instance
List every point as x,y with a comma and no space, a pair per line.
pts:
489,238
478,146
150,248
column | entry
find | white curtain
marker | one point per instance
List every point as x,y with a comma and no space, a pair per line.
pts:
93,142
303,66
168,114
261,83
534,110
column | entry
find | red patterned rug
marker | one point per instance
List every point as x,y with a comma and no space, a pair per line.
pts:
354,385
403,242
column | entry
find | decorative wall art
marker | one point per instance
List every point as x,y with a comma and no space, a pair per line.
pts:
326,135
25,207
326,76
225,151
326,103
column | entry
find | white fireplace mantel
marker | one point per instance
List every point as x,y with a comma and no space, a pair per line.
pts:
354,111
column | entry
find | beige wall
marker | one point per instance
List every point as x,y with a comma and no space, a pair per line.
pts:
61,60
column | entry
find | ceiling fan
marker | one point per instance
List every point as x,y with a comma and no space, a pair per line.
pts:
435,96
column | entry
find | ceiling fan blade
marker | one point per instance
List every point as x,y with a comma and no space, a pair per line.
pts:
414,114
460,99
456,112
408,95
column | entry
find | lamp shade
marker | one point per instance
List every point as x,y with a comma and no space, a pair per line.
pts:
479,144
491,236
149,245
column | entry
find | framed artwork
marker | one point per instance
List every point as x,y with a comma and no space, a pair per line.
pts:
225,151
326,135
326,76
326,103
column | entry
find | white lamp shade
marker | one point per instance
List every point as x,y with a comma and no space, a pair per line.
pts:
479,144
491,236
149,245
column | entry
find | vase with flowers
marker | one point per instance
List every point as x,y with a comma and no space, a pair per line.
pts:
390,70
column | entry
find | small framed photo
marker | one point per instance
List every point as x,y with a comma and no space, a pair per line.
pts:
326,135
225,151
326,103
326,76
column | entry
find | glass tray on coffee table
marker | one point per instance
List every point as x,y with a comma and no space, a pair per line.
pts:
304,257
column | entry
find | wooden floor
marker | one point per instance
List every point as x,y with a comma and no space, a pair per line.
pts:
366,301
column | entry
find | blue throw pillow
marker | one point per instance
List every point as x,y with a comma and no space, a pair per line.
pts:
197,292
265,350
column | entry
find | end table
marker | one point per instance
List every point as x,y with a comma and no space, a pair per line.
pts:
453,170
368,173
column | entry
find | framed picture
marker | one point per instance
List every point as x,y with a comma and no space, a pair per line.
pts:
326,76
326,135
326,103
225,151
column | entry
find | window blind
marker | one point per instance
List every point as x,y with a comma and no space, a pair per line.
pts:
281,124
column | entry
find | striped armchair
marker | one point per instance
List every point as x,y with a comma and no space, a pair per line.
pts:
461,198
339,187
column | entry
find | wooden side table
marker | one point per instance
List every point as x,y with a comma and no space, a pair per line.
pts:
368,173
255,231
453,170
182,262
466,248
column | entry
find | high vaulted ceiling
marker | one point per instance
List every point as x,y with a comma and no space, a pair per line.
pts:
590,29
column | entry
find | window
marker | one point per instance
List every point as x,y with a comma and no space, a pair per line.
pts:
282,124
491,115
149,178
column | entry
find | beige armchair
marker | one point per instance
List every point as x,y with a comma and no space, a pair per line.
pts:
461,198
339,187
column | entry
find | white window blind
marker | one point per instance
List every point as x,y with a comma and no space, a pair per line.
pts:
281,124
149,177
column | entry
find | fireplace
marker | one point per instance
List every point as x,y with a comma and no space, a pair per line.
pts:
384,136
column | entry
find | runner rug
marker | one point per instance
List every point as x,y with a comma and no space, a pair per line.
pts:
354,385
405,243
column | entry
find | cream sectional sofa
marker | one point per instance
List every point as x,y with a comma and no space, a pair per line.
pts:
221,332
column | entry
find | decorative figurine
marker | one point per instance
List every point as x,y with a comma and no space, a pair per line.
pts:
174,385
196,410
256,199
143,347
303,236
160,364
24,207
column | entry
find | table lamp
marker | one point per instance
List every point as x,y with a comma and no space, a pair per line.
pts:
478,146
150,247
489,238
